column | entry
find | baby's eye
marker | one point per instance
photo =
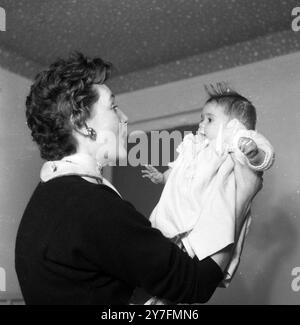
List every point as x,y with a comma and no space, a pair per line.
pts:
114,107
209,119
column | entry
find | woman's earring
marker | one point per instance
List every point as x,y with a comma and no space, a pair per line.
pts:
92,134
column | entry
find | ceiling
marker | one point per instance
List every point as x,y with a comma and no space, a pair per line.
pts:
137,34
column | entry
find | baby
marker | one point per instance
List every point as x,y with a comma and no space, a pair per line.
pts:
192,210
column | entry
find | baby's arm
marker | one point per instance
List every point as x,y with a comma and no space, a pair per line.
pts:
154,175
258,150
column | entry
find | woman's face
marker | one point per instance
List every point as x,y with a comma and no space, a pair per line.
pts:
109,122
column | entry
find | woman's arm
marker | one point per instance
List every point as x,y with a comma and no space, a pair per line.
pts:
123,244
248,184
223,257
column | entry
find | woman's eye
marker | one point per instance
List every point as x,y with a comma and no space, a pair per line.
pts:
209,120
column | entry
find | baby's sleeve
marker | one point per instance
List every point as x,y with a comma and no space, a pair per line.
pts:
263,144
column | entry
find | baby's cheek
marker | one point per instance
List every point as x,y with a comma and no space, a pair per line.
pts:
212,133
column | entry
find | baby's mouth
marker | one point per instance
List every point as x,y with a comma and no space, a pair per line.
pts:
201,132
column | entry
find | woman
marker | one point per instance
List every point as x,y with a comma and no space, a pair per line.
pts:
79,242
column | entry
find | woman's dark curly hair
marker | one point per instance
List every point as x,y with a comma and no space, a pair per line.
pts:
234,104
60,100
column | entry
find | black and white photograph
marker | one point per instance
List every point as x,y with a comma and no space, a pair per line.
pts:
149,154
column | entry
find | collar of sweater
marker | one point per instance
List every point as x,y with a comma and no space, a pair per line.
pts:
78,164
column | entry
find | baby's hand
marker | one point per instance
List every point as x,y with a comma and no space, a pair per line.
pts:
153,174
250,149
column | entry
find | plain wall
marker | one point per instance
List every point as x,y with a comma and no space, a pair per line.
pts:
19,170
272,248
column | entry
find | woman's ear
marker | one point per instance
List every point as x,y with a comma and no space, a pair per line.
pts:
85,131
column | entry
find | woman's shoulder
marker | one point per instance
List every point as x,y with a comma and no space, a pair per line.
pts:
75,188
97,202
74,182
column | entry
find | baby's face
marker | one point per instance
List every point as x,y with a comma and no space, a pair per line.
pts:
212,117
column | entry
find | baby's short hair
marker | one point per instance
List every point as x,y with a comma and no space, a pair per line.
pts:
234,104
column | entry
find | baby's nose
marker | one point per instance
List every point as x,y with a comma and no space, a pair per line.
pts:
201,125
201,128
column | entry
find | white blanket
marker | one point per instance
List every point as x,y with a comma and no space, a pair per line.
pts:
200,194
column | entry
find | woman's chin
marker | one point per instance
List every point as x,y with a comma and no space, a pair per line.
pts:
118,158
110,155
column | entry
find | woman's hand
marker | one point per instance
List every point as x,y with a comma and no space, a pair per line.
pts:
153,174
248,184
249,148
